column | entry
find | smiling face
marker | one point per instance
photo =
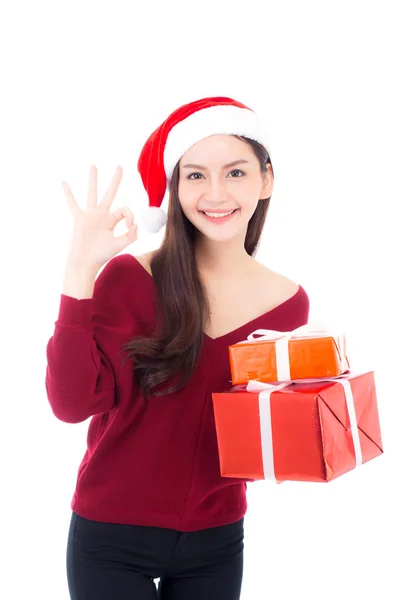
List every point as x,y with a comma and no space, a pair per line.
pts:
209,182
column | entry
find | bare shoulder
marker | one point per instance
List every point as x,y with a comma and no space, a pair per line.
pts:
144,260
280,286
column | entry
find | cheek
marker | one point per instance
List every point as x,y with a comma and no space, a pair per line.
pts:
188,199
247,202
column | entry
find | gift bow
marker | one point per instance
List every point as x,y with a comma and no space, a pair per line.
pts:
264,401
281,338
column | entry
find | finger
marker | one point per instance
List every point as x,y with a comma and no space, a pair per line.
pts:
92,190
113,188
130,236
70,197
124,213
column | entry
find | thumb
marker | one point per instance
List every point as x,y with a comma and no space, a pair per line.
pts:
122,241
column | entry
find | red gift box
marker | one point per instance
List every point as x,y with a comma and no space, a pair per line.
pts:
298,431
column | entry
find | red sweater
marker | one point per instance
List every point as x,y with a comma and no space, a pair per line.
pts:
157,466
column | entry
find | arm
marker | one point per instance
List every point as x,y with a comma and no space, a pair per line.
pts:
80,379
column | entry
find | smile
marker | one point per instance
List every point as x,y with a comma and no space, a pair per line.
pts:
219,217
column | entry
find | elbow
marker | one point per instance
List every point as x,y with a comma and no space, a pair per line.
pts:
77,412
64,410
67,416
74,406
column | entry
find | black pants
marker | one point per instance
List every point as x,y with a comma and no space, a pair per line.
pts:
108,561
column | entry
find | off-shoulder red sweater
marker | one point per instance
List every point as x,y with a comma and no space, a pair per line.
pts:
153,465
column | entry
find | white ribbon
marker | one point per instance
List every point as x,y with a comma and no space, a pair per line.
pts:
264,401
281,338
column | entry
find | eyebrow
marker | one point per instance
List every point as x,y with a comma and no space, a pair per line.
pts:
231,164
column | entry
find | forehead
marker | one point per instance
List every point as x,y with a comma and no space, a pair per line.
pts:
219,146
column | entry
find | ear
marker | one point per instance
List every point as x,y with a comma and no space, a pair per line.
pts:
268,183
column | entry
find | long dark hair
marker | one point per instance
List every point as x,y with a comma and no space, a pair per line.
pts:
182,304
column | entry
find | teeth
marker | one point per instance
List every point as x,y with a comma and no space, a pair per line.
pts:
218,215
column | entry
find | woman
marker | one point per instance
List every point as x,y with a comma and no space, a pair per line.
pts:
150,501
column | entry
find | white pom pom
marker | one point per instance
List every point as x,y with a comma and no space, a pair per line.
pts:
154,219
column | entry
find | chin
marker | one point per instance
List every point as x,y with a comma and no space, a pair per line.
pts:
220,236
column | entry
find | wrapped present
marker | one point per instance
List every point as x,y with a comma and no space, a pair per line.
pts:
308,352
299,431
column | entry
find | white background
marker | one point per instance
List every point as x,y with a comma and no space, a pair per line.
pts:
87,82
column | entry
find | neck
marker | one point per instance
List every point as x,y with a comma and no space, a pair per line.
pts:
222,260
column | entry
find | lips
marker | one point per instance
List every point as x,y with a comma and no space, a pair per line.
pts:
218,220
219,212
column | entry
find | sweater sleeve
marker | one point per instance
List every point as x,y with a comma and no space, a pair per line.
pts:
80,378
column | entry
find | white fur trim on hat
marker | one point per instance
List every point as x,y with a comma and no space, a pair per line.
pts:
223,119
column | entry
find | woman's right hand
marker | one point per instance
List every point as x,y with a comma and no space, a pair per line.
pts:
93,242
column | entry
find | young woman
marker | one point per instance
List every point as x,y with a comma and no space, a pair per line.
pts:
150,501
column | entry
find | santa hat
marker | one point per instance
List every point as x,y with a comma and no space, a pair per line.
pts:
185,127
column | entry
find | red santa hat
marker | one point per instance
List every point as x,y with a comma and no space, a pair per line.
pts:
185,127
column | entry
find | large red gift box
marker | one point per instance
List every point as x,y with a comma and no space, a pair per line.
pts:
298,431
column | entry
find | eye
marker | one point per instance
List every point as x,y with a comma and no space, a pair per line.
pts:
234,171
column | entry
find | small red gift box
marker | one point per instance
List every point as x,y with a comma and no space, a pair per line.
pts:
303,431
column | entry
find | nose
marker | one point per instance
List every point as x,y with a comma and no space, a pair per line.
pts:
216,190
